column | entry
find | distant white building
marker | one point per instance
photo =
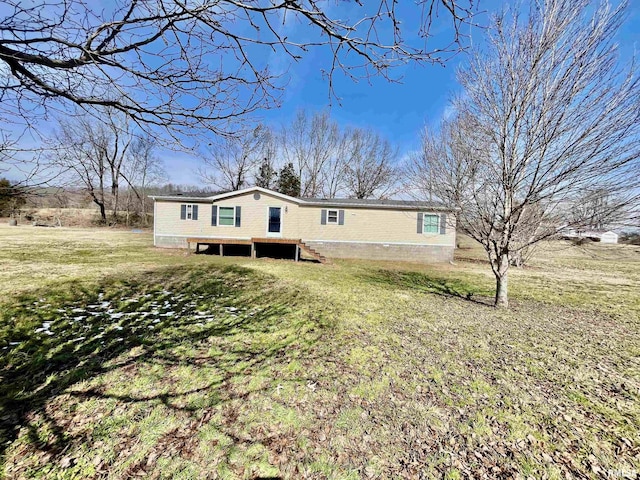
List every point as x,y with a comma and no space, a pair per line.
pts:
596,235
609,237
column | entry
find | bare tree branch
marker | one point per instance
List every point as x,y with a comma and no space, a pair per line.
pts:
92,154
186,65
231,163
370,165
548,117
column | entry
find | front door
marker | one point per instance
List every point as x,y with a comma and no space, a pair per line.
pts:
274,222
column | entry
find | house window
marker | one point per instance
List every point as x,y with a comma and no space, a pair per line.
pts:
333,217
189,212
226,216
431,224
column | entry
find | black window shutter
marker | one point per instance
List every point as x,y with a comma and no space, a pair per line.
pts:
194,216
183,212
214,215
323,217
237,216
420,221
443,223
340,217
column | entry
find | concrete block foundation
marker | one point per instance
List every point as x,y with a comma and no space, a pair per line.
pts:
170,242
382,251
367,251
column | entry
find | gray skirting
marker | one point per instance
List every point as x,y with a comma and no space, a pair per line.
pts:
367,251
377,251
171,242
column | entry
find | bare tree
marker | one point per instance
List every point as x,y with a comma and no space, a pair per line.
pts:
331,160
309,143
83,160
154,60
120,136
231,163
333,174
267,173
553,116
142,169
92,153
370,165
599,209
441,168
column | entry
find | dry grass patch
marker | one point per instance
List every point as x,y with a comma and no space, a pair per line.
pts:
184,367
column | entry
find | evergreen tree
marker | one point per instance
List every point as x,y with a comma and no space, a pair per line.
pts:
289,181
267,175
12,197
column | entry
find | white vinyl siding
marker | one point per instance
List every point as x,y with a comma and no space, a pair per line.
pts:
370,225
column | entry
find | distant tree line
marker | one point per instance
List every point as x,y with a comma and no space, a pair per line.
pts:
114,164
312,156
117,167
77,197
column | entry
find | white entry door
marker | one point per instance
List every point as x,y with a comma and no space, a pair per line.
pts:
274,222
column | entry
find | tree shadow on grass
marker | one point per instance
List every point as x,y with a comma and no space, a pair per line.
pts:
51,341
423,282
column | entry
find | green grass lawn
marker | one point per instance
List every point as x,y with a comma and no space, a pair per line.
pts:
121,360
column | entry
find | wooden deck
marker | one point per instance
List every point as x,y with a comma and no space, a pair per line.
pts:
299,244
216,241
277,240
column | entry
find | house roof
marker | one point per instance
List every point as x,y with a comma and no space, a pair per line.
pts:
191,194
315,202
370,202
181,198
588,233
220,196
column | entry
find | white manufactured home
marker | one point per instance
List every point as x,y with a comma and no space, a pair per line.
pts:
609,237
595,235
257,219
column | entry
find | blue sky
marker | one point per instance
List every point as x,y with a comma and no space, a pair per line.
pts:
396,110
399,110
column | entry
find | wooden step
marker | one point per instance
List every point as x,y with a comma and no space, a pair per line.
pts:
314,253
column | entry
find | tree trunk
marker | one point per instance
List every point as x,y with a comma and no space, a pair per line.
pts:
502,293
501,271
103,211
115,192
143,210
